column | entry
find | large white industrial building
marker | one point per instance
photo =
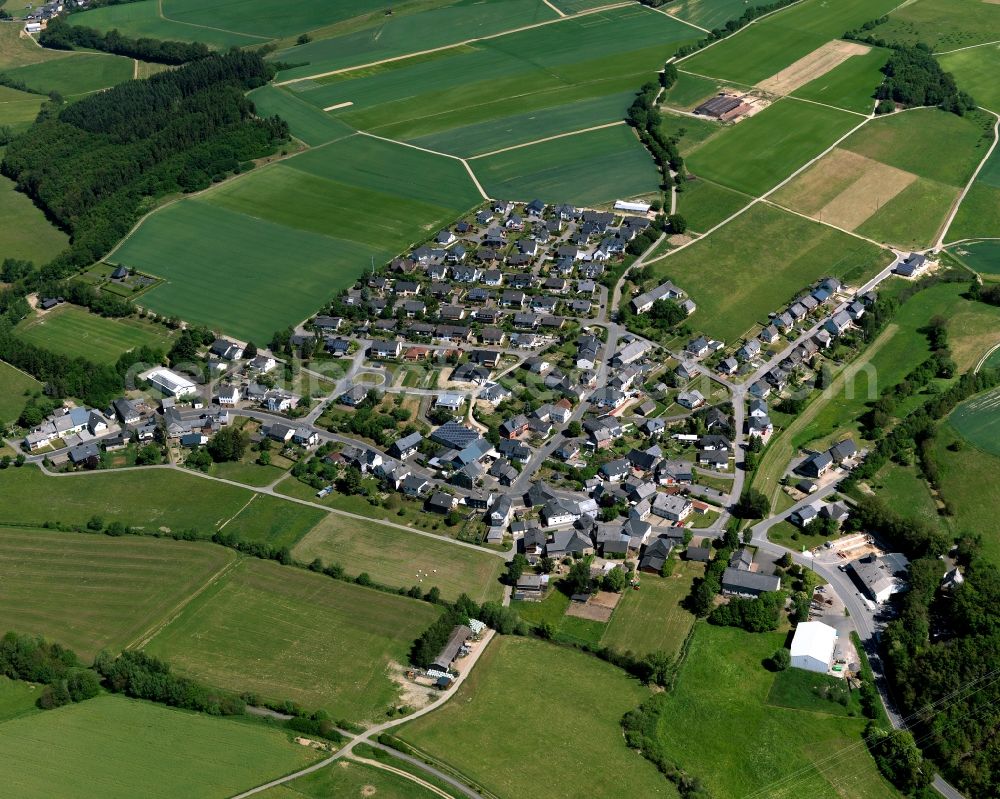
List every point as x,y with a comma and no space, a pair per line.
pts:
813,646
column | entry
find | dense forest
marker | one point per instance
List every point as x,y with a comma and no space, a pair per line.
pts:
93,164
61,35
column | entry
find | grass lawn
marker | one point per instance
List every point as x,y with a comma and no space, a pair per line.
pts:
693,131
975,72
968,483
719,725
18,109
705,204
652,619
758,153
979,215
247,471
149,499
573,169
73,331
120,748
850,85
75,73
766,47
91,592
942,24
307,122
17,698
394,557
15,385
286,633
689,91
26,234
819,693
347,779
525,694
927,142
724,273
274,521
426,26
903,488
980,256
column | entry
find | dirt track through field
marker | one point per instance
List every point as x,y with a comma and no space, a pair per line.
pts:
812,66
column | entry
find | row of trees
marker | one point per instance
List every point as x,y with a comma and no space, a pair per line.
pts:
91,165
62,35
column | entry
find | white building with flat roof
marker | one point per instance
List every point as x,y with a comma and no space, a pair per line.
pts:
813,646
170,383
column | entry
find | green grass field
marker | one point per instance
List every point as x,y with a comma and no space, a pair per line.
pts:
704,204
149,499
74,331
426,26
789,251
18,109
349,779
26,233
652,619
693,131
804,690
758,153
279,241
913,218
576,59
903,488
850,85
286,633
942,24
719,726
156,752
766,47
979,215
576,169
15,385
689,91
75,73
975,71
307,122
401,559
526,697
274,521
17,699
707,13
927,142
981,256
91,592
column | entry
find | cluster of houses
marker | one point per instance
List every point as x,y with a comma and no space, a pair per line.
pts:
78,429
38,19
816,464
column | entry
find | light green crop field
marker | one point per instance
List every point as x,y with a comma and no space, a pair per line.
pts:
18,109
74,331
275,521
850,85
913,218
150,499
903,488
92,592
525,694
17,699
763,258
927,142
942,24
280,241
307,122
588,169
286,633
266,18
15,386
156,752
424,27
578,58
520,128
85,73
693,131
719,726
394,557
766,47
978,420
758,153
25,232
979,215
975,71
705,204
689,91
707,13
144,20
652,619
349,779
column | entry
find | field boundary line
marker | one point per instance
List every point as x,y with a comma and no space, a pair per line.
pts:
558,11
462,161
227,521
953,212
969,47
674,17
463,43
165,18
548,138
726,38
986,355
151,632
398,771
773,204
